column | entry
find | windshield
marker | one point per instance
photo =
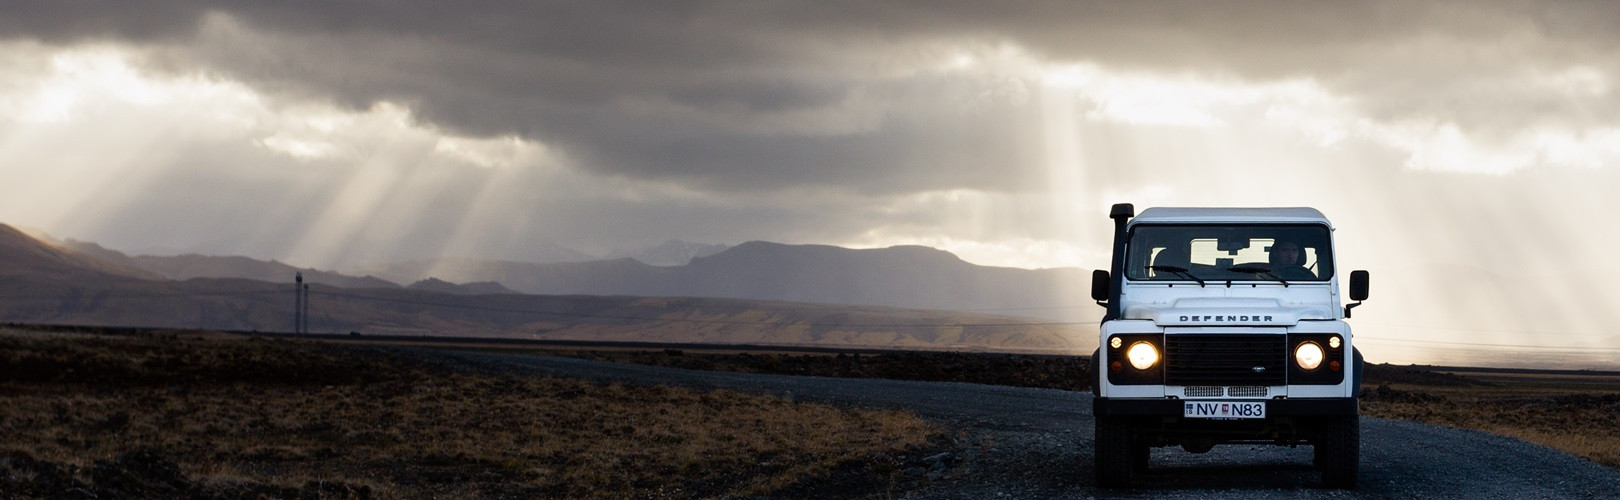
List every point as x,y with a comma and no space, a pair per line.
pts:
1258,252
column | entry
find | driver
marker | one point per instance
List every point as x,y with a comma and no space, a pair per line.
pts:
1288,261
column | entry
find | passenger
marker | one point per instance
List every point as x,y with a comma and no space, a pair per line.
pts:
1172,260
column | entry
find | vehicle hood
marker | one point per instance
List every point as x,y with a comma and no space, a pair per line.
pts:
1228,311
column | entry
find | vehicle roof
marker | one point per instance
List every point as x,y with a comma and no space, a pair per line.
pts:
1231,214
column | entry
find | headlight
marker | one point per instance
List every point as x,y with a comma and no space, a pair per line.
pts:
1144,356
1308,355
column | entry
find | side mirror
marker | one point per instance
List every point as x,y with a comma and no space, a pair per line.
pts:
1358,290
1099,286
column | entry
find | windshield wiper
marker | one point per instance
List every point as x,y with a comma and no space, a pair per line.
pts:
1178,270
1259,271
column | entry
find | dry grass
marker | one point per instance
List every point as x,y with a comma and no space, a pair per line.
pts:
1576,413
1579,415
186,415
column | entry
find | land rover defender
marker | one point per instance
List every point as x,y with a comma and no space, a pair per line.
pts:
1224,325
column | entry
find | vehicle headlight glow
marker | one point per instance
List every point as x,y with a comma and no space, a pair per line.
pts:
1143,355
1309,355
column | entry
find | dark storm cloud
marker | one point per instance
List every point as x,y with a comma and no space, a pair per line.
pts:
699,92
80,20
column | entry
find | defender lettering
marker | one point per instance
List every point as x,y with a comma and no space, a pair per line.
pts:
1240,319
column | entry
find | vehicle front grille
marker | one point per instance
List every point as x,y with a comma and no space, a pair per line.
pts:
1252,360
1248,391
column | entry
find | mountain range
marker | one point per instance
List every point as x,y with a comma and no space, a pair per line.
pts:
754,293
901,276
668,253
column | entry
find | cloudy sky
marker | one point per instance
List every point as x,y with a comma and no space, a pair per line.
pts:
1468,152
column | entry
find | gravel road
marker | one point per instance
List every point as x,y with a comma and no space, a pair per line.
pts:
1036,443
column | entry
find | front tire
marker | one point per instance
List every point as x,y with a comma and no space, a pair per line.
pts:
1141,456
1338,452
1113,452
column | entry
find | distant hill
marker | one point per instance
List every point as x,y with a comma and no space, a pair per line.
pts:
669,253
184,267
600,277
93,250
22,255
480,288
46,284
903,276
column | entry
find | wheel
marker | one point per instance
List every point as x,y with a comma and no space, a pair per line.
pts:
1113,452
1338,452
1140,457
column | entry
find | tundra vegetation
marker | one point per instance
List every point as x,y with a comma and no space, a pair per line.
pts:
1577,412
212,415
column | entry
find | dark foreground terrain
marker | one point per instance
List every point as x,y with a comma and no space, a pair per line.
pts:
222,416
1016,442
217,416
1577,412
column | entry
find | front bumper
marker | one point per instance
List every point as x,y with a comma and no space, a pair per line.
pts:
1275,408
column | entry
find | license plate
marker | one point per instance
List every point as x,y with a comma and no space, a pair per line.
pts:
1225,409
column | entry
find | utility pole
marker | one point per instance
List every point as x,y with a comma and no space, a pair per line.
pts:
306,308
298,303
